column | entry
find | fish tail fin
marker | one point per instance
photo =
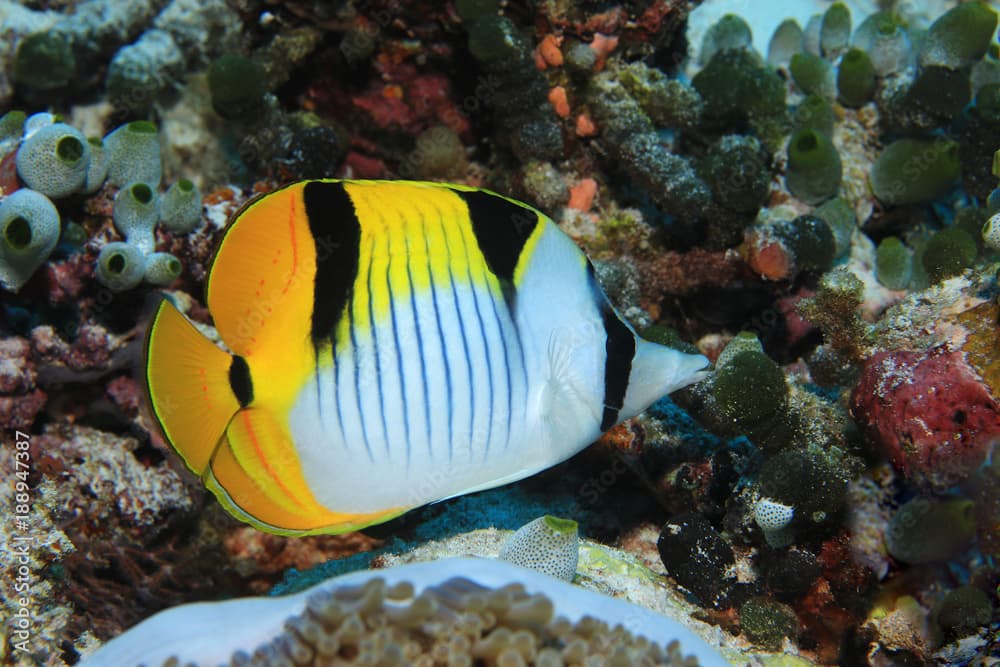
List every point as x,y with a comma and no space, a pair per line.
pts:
188,385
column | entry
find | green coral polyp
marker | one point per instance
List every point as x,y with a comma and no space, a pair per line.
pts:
893,264
855,78
814,168
913,171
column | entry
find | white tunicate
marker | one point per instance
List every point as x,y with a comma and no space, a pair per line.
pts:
742,342
37,121
810,36
774,519
162,268
180,207
54,160
835,30
991,232
134,154
97,171
785,43
729,32
120,266
29,230
886,43
548,544
135,214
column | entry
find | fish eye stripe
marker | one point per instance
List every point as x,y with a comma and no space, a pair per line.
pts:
619,350
336,233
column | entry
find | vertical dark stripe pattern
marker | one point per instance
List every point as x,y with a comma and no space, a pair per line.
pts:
619,351
336,233
501,228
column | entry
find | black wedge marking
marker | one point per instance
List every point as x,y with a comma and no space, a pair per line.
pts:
501,228
239,380
618,354
336,232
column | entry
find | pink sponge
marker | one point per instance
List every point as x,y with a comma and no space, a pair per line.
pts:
929,412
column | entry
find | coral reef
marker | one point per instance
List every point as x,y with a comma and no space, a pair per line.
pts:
806,193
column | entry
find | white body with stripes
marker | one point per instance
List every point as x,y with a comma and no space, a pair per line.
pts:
457,387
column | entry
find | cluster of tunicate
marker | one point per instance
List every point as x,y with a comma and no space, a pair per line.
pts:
146,47
55,160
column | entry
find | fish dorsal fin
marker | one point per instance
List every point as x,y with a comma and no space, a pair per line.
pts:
260,282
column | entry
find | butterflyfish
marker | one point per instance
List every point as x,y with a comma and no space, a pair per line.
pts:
388,344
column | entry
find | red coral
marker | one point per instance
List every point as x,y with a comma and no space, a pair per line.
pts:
20,411
8,174
930,413
126,394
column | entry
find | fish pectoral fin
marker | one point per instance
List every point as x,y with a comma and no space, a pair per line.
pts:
187,381
564,398
257,476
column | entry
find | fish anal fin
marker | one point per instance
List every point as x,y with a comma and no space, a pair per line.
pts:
187,381
257,476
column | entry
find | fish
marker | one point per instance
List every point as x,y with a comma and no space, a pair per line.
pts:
390,344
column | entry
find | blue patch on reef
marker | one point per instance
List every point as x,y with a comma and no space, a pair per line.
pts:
676,420
505,508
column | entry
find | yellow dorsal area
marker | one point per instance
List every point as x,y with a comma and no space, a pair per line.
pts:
413,235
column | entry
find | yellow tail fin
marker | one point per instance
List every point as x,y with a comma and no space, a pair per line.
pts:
187,378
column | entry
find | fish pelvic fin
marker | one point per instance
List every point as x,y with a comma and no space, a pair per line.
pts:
190,386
